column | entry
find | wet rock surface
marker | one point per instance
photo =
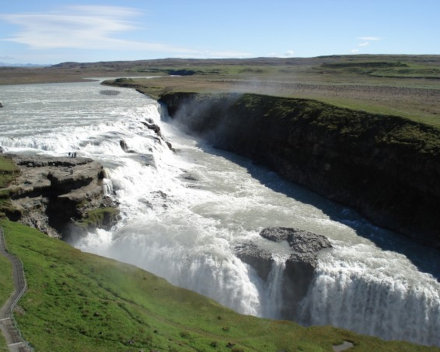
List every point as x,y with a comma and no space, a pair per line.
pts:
299,241
260,259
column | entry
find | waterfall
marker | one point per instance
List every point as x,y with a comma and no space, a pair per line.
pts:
273,289
183,214
347,294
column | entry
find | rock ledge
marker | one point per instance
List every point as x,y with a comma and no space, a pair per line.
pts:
57,195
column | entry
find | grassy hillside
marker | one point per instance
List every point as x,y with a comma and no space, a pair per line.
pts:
82,302
6,289
8,172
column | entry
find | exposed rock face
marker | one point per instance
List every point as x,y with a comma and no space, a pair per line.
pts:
154,127
386,167
300,241
52,194
109,92
260,259
300,266
123,145
149,123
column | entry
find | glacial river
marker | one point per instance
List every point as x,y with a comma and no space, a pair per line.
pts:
183,214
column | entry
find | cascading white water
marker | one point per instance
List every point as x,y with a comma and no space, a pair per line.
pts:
371,292
273,289
184,213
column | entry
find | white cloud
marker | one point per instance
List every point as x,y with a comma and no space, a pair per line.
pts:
80,27
90,27
369,38
365,42
220,54
288,53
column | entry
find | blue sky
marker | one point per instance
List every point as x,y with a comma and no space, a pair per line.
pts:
49,31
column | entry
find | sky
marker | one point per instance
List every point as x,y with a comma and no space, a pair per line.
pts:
50,32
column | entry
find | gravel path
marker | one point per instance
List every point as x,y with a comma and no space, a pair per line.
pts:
13,338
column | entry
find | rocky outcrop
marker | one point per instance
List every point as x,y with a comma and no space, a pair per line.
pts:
260,259
109,92
299,266
1,105
58,194
386,167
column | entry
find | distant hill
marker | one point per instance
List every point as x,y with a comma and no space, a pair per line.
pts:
5,64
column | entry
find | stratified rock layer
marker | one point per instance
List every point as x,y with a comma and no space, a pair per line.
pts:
299,267
53,194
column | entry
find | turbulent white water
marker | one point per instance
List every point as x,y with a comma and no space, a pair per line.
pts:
184,213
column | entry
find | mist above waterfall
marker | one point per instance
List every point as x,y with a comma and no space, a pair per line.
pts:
184,213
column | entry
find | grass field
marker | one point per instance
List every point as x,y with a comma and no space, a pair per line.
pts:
6,289
7,174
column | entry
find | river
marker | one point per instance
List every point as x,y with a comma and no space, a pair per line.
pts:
184,213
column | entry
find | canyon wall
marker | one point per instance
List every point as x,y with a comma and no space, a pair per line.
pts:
386,167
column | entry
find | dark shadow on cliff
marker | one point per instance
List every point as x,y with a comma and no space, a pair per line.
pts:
423,257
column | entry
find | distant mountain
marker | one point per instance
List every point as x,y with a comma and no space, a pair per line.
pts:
4,64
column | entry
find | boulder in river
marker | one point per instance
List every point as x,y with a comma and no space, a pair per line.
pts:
299,267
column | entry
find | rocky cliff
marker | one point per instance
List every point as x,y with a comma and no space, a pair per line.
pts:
386,167
59,195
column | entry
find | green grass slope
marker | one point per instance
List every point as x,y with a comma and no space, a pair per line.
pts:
6,289
8,172
82,302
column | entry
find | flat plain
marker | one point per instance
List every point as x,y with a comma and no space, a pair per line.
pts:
403,85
